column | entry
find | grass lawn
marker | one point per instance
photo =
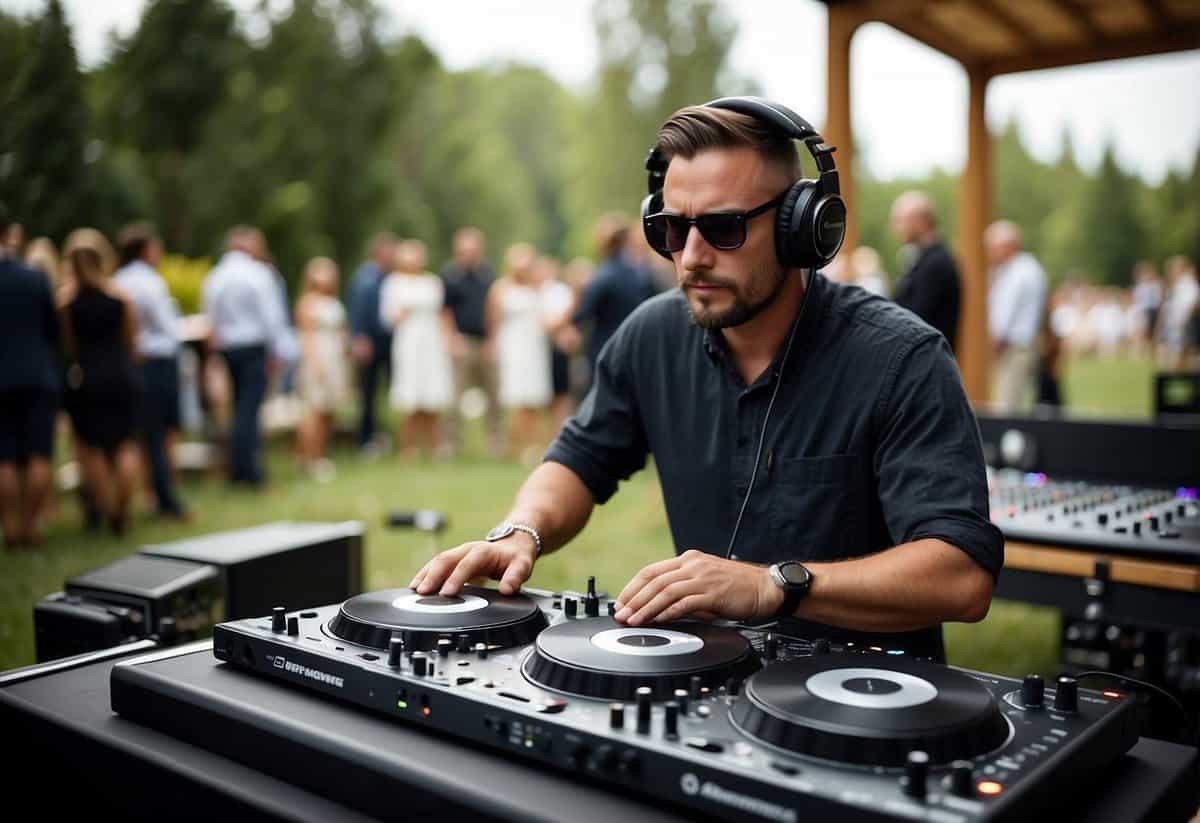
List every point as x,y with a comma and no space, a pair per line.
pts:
624,535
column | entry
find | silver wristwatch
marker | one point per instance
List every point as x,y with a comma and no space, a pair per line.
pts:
506,528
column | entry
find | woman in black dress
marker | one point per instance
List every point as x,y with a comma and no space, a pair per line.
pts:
99,331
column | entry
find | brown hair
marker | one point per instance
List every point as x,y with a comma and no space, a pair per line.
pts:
133,240
611,233
695,128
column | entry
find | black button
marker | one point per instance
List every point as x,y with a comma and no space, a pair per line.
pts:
701,744
785,768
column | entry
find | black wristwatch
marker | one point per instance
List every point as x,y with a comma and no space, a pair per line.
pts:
795,579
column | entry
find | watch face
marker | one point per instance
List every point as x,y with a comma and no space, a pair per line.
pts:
795,574
503,530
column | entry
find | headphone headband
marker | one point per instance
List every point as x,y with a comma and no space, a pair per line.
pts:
811,223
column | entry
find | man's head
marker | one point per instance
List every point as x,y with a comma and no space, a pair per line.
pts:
724,161
611,235
913,218
468,247
1002,241
247,240
382,249
139,241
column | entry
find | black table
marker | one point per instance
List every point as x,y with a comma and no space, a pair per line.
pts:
58,720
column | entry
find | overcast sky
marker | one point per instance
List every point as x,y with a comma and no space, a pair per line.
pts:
909,106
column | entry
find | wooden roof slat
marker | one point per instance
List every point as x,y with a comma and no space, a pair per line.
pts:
1158,14
934,36
1015,26
1180,37
1080,14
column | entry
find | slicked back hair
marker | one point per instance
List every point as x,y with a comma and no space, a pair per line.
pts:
696,128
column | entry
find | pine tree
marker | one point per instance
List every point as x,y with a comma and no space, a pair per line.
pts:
1116,238
44,180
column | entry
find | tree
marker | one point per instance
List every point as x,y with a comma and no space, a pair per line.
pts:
160,89
1116,238
44,179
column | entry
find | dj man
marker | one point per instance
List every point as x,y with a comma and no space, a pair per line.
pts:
818,457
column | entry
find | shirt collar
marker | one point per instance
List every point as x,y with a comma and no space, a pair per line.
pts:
717,349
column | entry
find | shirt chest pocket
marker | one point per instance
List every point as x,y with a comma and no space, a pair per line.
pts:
816,510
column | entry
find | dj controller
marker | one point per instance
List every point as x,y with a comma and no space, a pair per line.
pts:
1144,521
731,722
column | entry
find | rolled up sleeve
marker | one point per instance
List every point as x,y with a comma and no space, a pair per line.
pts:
929,464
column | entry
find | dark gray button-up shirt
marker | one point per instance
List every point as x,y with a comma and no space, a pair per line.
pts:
871,442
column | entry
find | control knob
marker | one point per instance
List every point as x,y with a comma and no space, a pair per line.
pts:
1033,690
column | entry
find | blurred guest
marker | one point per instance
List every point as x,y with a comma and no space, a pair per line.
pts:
1147,300
868,271
931,287
29,389
286,347
516,318
370,337
1049,374
468,279
615,290
246,316
323,378
558,303
13,241
577,274
41,255
99,327
158,349
1016,304
1178,312
413,304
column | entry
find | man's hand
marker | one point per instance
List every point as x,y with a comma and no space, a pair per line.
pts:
699,584
509,560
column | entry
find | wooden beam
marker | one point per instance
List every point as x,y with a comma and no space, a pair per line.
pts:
842,24
1082,563
1159,18
1079,14
1180,37
935,37
1015,26
974,214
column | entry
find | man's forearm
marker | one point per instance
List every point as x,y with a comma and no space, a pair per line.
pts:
907,587
555,502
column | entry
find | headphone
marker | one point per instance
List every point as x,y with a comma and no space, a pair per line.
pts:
810,223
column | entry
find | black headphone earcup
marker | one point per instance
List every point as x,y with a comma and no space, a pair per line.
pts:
791,227
652,204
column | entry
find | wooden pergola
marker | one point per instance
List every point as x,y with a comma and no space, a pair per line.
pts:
990,38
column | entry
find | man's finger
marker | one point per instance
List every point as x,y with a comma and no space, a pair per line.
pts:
643,577
475,562
517,573
437,569
650,591
690,606
669,594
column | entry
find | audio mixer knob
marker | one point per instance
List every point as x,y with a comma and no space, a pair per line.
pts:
1137,527
671,720
732,685
464,644
570,606
1102,518
395,652
419,665
1154,523
1033,690
771,646
278,619
962,778
916,770
481,651
293,626
1066,695
681,697
591,603
616,715
443,647
643,710
820,646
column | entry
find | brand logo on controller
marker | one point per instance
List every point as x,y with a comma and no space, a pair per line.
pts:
691,786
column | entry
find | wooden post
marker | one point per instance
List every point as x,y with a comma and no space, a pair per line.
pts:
843,21
974,214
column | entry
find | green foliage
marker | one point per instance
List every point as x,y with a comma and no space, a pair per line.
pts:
1117,239
43,134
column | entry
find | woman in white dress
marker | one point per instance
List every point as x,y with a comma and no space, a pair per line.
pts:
412,304
517,324
323,371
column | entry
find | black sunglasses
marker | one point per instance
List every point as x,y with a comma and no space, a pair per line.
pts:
724,230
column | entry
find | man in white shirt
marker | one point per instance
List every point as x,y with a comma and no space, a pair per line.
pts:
246,315
1016,302
157,349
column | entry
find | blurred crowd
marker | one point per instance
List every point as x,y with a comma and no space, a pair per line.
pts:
91,341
